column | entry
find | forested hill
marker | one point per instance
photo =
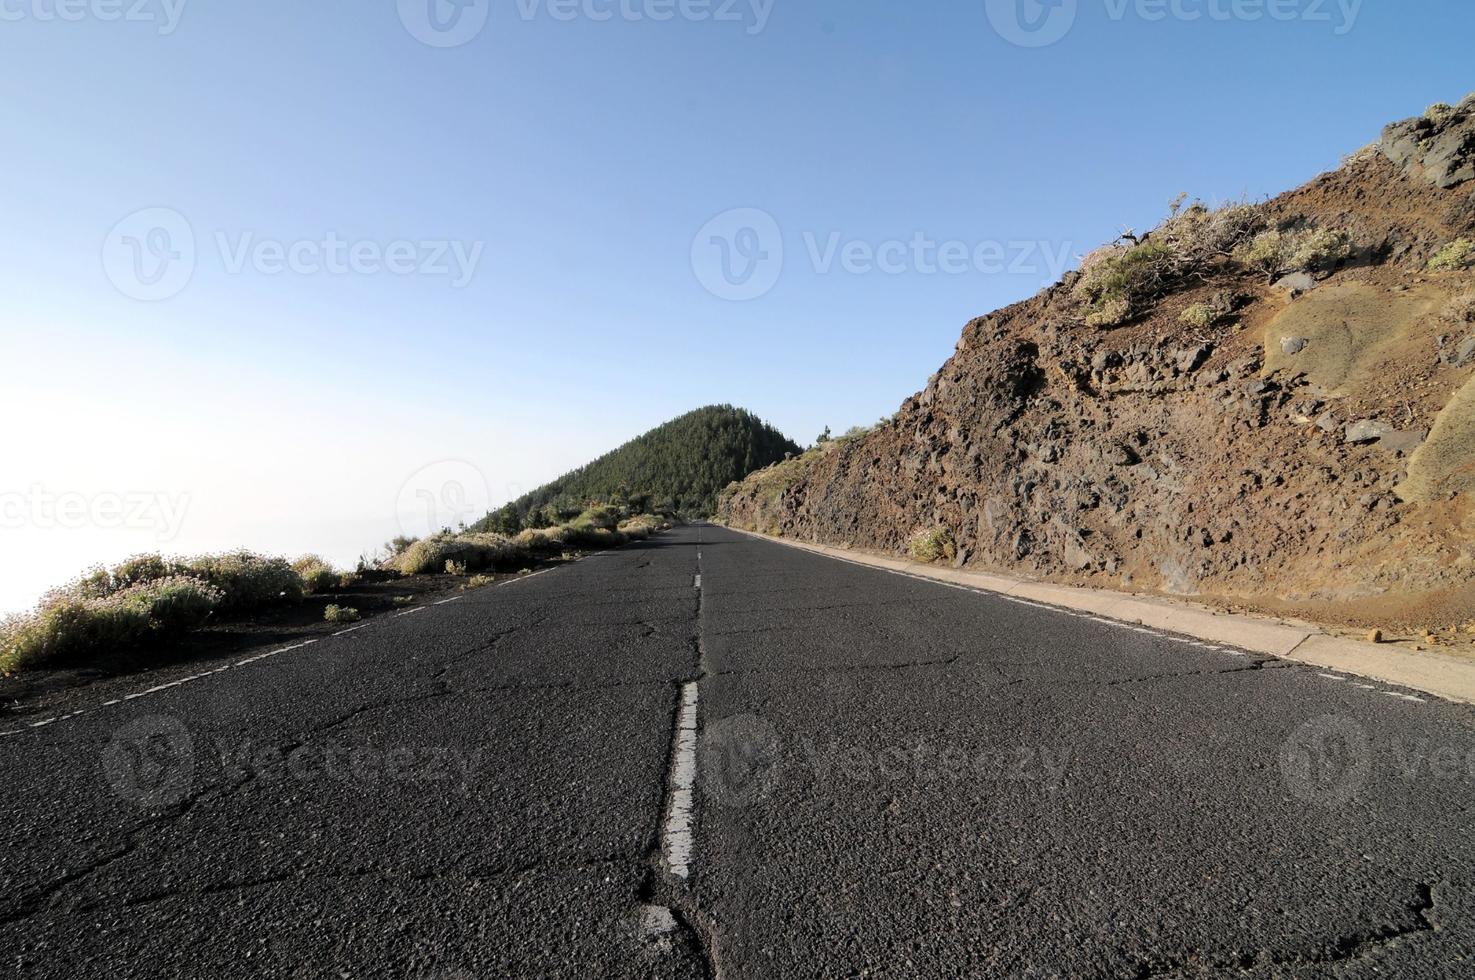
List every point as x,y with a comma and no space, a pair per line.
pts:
679,467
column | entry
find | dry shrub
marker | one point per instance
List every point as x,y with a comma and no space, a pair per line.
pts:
1457,255
341,614
318,575
70,628
933,545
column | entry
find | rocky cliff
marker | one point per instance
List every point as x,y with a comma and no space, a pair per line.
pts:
1270,404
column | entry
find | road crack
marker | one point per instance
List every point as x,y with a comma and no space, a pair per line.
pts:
1345,948
1259,665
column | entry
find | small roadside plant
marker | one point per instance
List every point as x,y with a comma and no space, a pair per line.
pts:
399,545
318,575
1122,281
1265,253
476,551
401,601
173,605
1279,251
479,582
341,614
1457,255
1439,113
1202,316
246,580
1320,250
933,545
1109,313
1198,235
1115,286
455,568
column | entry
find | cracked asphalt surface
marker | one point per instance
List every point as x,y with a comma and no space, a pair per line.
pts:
894,778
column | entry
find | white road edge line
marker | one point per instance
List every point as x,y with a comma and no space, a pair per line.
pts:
676,839
112,702
410,612
697,582
454,598
263,656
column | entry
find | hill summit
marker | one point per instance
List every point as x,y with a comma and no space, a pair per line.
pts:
677,468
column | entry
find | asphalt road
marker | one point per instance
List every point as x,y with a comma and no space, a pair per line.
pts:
709,755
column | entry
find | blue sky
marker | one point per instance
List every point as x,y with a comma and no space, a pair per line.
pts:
575,149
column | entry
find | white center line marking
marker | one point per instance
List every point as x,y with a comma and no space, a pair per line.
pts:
411,612
351,629
676,843
455,598
697,584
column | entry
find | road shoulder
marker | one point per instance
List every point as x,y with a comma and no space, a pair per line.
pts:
1447,677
